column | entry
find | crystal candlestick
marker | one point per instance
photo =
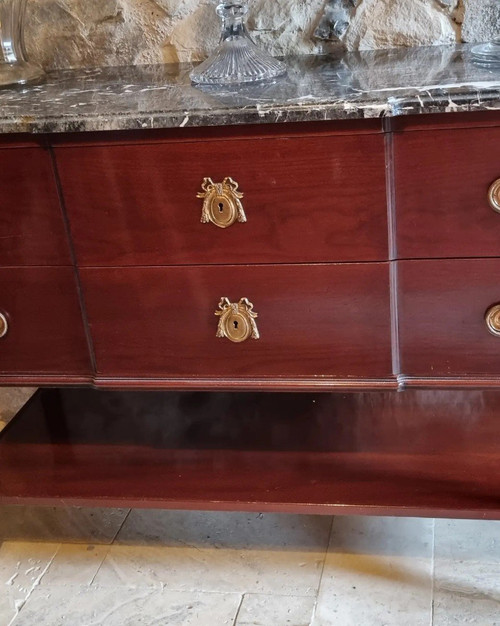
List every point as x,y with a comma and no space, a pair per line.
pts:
14,66
487,54
237,59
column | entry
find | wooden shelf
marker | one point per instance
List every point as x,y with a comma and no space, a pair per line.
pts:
433,453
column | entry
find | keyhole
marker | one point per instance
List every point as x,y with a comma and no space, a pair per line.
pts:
235,325
221,207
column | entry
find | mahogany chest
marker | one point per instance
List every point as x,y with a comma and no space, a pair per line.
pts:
366,253
352,258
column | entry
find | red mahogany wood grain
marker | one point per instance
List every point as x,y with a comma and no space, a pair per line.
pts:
314,321
45,336
307,199
442,179
442,304
316,194
413,453
31,223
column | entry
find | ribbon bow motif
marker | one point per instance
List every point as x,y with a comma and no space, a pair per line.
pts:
243,307
227,189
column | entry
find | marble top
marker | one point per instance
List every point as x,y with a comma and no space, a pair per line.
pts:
352,85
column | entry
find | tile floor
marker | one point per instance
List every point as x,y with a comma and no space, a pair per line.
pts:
115,567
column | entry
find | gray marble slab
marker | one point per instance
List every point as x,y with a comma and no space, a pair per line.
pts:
353,85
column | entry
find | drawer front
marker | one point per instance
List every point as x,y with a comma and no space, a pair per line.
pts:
442,307
45,334
306,199
314,321
31,224
442,180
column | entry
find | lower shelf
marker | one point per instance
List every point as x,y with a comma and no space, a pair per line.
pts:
418,453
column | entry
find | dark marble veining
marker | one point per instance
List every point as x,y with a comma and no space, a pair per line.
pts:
353,85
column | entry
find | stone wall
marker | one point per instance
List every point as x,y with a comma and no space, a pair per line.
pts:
73,33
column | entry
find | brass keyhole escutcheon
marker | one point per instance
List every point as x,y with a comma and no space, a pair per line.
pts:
221,203
237,320
4,325
492,319
494,196
222,213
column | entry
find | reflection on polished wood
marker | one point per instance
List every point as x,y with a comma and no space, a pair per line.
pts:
413,453
31,221
307,199
444,210
45,330
442,306
316,322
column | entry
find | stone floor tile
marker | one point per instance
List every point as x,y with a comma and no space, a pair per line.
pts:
21,567
75,564
94,606
264,610
466,592
399,536
289,572
476,540
225,552
378,571
375,590
62,524
12,399
222,529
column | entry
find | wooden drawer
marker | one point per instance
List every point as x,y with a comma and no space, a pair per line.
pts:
31,224
315,322
442,306
442,179
45,335
306,199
